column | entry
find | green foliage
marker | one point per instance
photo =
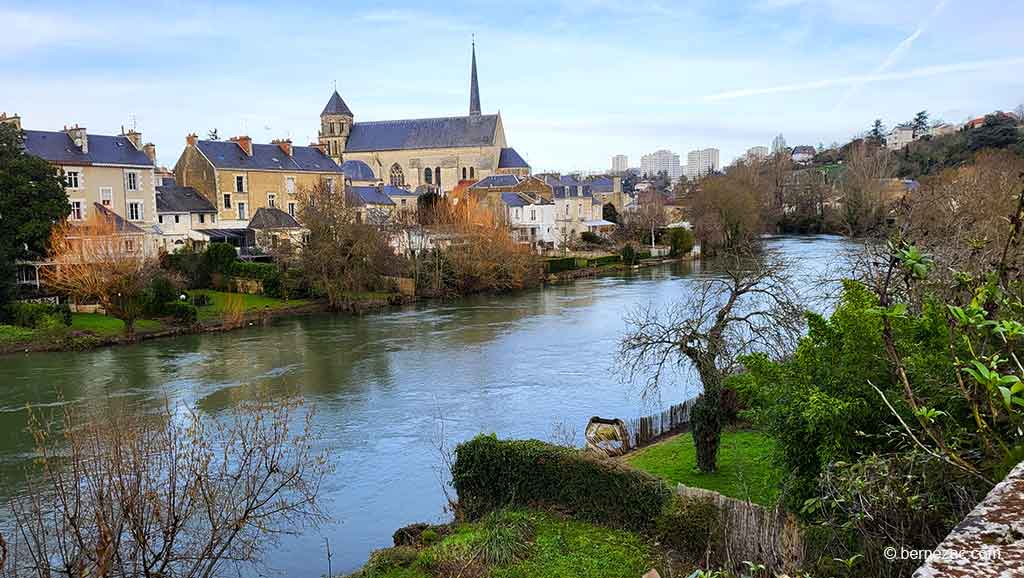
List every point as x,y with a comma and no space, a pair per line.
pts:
999,131
746,469
559,265
689,526
681,241
220,257
629,256
592,238
182,312
38,315
193,267
490,474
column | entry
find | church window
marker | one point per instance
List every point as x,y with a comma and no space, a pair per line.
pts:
464,173
437,177
428,176
472,172
397,176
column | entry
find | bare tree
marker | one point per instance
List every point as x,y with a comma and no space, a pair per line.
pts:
863,187
751,307
171,495
102,260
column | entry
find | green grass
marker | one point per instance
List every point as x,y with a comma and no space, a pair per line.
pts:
745,468
15,334
251,303
106,326
550,547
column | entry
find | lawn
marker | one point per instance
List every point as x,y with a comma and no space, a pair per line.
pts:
745,469
521,544
105,326
250,303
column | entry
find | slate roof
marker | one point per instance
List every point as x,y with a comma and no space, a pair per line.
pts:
393,191
225,154
513,200
174,199
601,185
358,171
271,218
510,159
576,190
336,105
57,147
117,221
423,133
373,195
805,149
495,181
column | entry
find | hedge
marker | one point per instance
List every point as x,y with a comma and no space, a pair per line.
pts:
252,270
489,474
559,265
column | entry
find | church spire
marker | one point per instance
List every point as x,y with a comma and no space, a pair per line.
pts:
474,89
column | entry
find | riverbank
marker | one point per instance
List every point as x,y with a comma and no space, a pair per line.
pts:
93,330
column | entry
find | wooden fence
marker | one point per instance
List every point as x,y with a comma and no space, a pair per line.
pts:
643,430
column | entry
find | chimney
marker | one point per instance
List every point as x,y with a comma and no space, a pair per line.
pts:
244,142
616,184
285,144
79,137
191,139
13,119
320,147
150,150
134,136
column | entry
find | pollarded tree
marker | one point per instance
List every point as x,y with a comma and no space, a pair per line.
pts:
751,307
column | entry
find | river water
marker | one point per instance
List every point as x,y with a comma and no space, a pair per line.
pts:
531,364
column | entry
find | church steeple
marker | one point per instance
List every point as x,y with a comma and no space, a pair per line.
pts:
335,126
474,88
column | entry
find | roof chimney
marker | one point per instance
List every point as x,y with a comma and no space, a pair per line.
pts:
150,150
13,119
134,136
244,142
320,147
191,139
285,144
79,137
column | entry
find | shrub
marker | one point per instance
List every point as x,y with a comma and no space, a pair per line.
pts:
689,526
559,265
161,291
184,313
681,242
33,315
219,258
490,474
193,267
629,254
592,238
729,401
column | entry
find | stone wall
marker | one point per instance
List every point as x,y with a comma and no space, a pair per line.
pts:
989,542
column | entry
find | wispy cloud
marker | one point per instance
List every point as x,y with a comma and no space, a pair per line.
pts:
862,79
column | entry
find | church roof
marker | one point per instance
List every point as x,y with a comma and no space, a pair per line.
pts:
336,106
358,171
510,159
225,154
474,88
423,133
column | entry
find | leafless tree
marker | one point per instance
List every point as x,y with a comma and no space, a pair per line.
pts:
751,307
863,188
169,495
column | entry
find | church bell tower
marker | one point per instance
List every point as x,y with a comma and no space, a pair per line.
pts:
335,126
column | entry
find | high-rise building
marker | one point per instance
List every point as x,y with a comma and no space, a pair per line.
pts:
620,163
661,161
701,162
779,144
758,153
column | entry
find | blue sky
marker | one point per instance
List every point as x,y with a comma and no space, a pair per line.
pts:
576,81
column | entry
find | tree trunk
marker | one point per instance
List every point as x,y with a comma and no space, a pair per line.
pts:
707,418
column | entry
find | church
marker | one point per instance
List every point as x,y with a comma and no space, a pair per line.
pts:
432,153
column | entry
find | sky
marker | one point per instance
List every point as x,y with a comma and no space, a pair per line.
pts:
576,81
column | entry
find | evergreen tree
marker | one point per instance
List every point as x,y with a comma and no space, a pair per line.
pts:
920,123
876,135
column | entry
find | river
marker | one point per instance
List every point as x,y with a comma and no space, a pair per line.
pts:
521,365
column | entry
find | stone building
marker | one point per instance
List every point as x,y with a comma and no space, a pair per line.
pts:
435,152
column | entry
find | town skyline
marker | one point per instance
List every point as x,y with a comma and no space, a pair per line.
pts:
166,81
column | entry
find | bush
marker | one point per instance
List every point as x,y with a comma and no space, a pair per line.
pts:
689,526
184,313
252,270
161,291
219,258
193,267
592,238
559,265
629,254
681,242
38,315
490,474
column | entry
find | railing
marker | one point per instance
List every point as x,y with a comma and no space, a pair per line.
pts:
643,430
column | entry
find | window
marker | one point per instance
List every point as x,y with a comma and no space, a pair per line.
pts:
289,185
131,181
397,175
213,218
330,184
403,202
428,176
464,173
227,200
472,173
77,210
242,215
239,183
437,177
272,200
71,179
580,210
106,196
533,214
129,245
177,219
291,208
202,218
160,219
134,210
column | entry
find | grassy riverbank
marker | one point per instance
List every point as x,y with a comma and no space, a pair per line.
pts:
517,544
745,467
